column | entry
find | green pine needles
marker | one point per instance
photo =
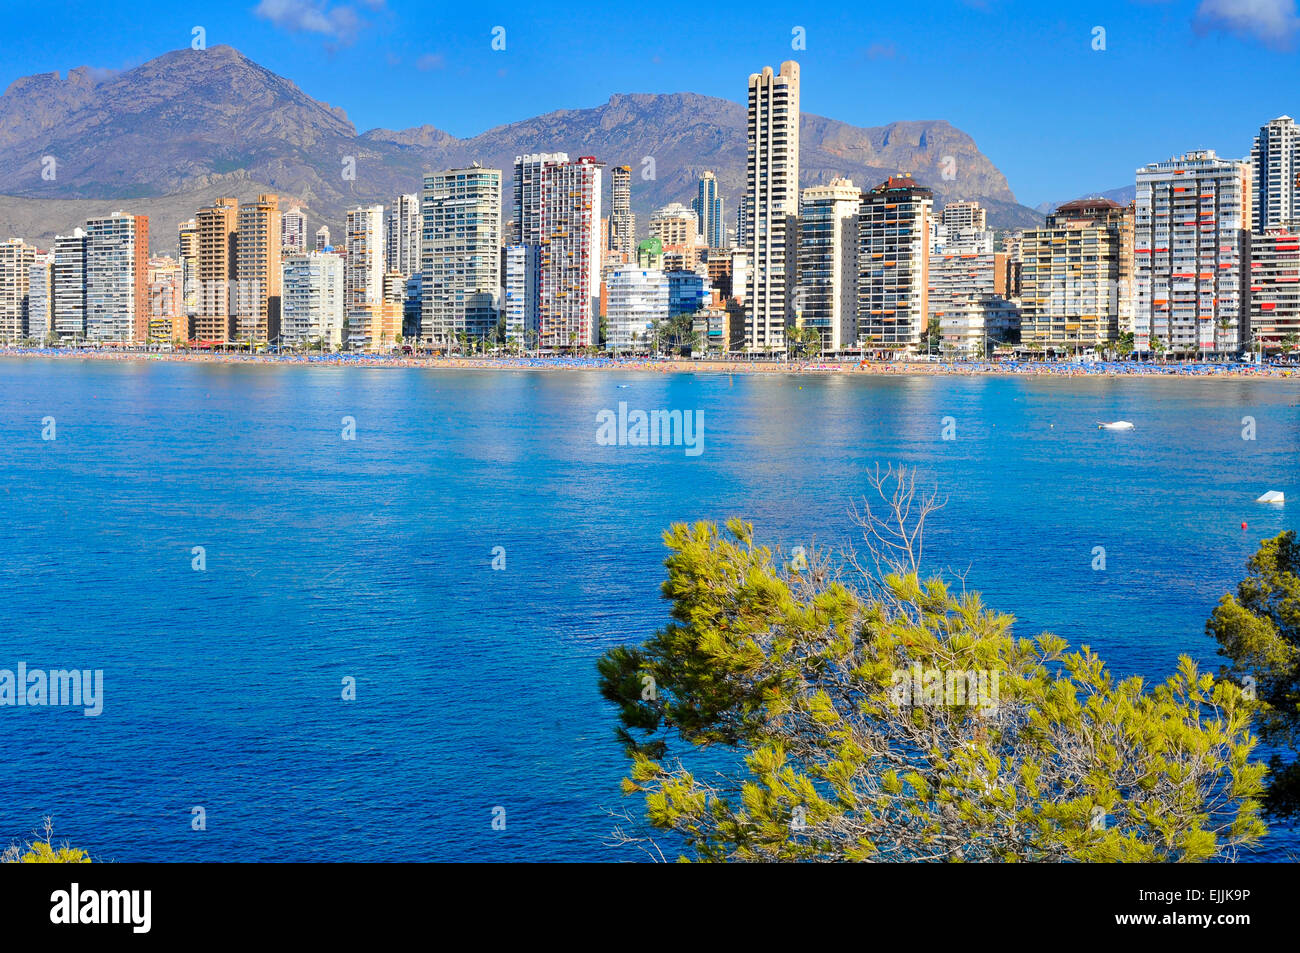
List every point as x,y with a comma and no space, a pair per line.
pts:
904,722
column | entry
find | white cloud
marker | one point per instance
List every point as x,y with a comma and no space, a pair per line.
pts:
337,21
1272,22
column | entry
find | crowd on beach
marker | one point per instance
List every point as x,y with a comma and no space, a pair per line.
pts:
669,365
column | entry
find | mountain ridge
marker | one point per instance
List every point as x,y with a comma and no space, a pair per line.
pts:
187,122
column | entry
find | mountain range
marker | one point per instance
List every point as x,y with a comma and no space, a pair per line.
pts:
172,134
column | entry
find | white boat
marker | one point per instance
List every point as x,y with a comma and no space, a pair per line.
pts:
1116,425
1272,496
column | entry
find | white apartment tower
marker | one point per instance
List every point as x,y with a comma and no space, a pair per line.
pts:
293,231
40,297
363,275
117,291
402,235
461,254
1275,168
827,295
312,299
638,297
772,193
1191,248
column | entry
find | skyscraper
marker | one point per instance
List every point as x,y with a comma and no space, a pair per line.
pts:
312,299
461,254
40,297
1076,276
257,268
677,227
187,243
708,211
638,297
363,276
1191,254
70,285
827,295
1275,170
965,215
557,211
293,232
402,235
167,320
772,193
323,238
521,284
117,279
216,224
16,259
622,223
893,265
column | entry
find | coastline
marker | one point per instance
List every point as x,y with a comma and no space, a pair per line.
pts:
688,366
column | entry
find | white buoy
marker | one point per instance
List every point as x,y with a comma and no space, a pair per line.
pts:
1117,425
1272,496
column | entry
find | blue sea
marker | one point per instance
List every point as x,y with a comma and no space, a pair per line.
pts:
329,559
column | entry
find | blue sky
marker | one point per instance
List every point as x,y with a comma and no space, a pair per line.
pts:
1059,117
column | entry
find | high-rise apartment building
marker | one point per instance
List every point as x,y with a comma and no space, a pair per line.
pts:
557,211
827,295
638,298
167,319
707,206
894,265
676,226
363,276
521,285
622,223
323,238
961,275
311,311
1275,174
461,254
187,243
257,270
965,215
70,285
772,193
117,279
402,235
1275,286
16,260
1191,251
293,232
1076,282
217,229
40,297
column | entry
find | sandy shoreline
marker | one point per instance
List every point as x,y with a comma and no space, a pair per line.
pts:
900,368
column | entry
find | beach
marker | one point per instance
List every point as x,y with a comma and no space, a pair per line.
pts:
690,366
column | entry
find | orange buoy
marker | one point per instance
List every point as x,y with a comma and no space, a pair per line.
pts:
1243,525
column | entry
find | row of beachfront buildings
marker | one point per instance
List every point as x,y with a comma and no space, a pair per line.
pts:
1205,259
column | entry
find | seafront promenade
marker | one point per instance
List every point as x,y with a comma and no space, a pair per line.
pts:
687,365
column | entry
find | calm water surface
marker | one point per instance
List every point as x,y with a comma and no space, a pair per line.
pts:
476,688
